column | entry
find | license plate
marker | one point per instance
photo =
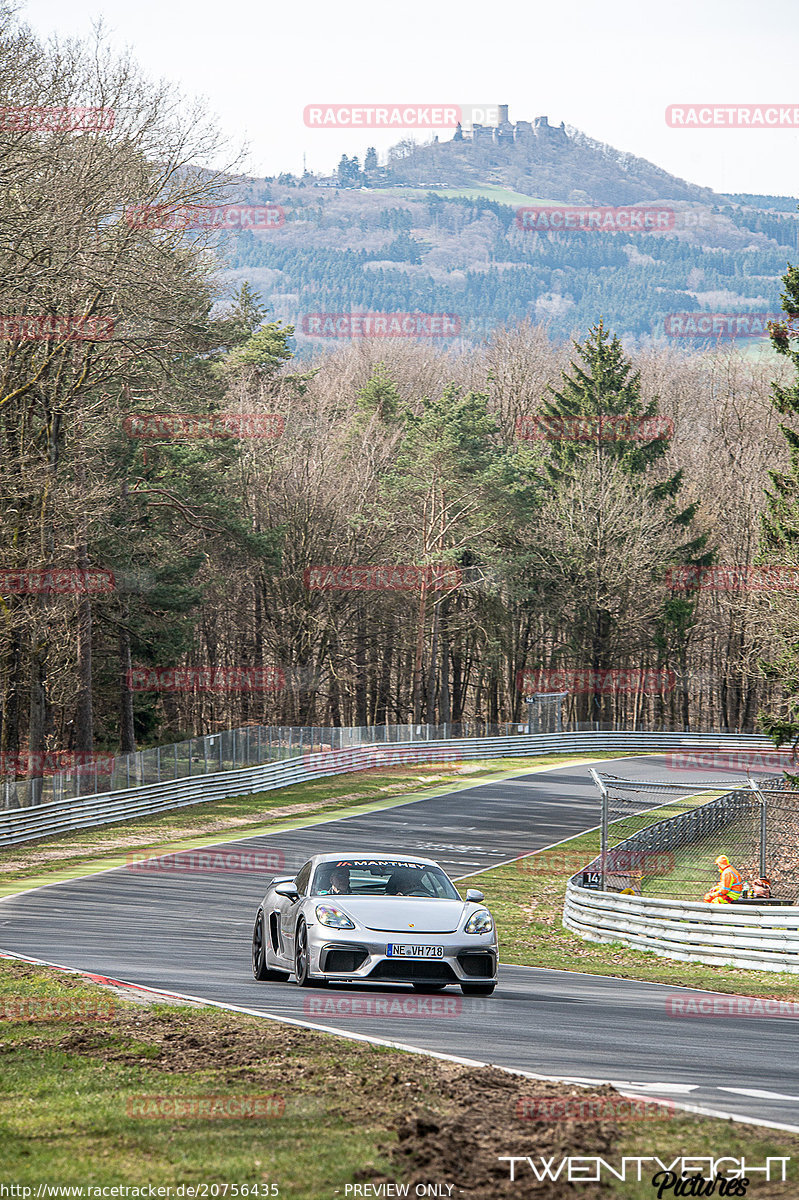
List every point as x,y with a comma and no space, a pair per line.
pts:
400,950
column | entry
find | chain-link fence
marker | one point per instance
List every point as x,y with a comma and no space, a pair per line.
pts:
662,838
245,747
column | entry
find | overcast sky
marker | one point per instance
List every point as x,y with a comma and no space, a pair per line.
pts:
608,67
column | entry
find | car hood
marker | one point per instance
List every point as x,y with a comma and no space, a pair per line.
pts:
399,914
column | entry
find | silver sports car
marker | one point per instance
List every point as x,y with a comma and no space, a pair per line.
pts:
349,918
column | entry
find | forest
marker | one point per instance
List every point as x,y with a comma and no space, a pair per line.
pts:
201,529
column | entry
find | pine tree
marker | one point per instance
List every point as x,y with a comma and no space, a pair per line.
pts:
779,544
599,417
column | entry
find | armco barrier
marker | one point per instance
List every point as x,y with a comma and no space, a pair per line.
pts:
765,938
22,825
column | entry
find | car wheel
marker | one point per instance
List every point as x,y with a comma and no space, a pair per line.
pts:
302,957
259,968
429,987
477,989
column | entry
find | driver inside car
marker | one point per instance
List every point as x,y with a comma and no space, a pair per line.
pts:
403,883
338,882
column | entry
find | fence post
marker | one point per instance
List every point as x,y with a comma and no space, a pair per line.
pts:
603,824
763,826
158,761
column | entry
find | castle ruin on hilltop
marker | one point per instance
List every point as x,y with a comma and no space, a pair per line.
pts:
506,131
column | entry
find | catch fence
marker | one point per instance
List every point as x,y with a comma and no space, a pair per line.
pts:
661,838
250,746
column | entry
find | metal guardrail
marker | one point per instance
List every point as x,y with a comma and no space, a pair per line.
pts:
37,779
26,824
757,937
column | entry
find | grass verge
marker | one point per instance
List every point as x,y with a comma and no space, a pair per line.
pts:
104,1102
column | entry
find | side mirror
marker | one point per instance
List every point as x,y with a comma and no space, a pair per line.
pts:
288,889
475,895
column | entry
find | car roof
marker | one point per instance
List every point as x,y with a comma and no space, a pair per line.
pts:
352,859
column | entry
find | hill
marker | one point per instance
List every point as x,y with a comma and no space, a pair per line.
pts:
437,230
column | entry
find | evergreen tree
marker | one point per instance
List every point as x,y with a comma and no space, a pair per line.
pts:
598,417
780,530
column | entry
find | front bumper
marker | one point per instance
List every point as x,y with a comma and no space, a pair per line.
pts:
348,956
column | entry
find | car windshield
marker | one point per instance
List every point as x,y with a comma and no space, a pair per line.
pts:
382,877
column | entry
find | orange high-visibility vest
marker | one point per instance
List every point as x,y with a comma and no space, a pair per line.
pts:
733,882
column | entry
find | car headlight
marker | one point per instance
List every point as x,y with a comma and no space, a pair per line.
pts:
326,914
480,922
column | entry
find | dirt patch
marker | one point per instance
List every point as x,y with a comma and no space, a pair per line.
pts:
463,1146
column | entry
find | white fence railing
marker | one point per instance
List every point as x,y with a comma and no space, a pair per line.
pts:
761,937
26,824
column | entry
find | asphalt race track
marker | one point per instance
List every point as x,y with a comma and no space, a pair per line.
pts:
189,932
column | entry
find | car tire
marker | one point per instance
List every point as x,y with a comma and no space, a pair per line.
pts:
260,970
302,957
428,987
477,989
